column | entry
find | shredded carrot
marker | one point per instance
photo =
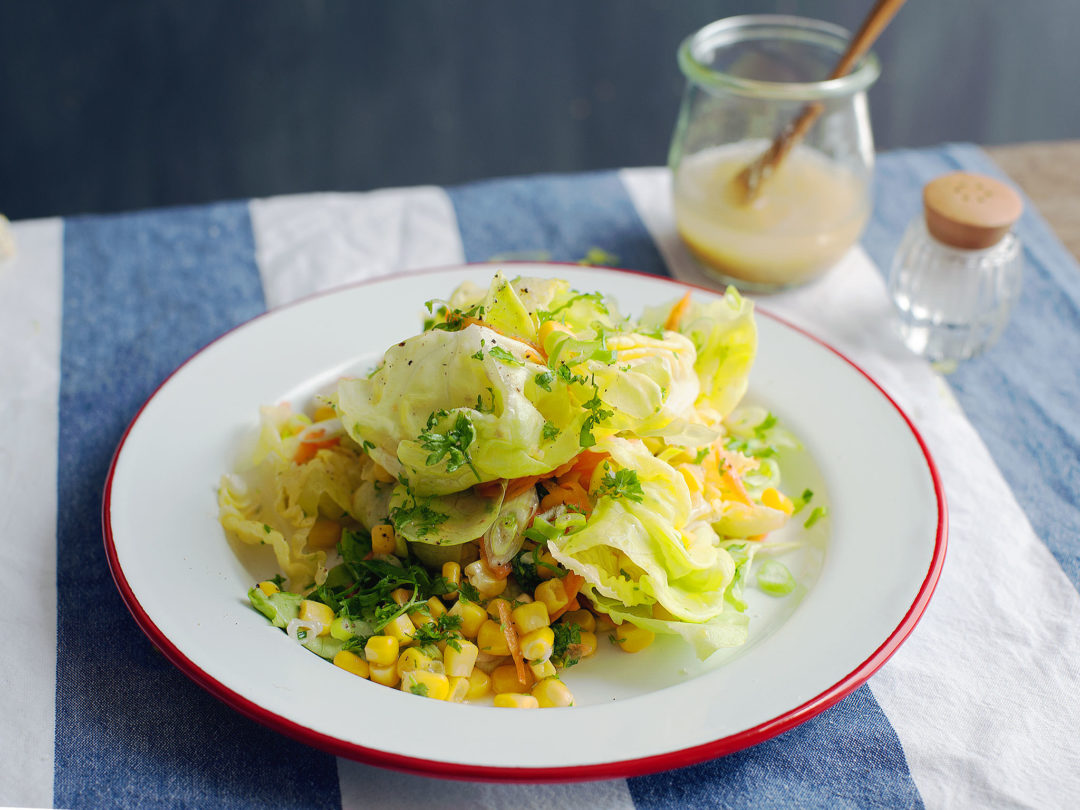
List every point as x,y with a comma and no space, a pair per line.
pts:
585,463
571,584
734,483
573,604
537,355
571,494
677,313
307,450
507,624
519,485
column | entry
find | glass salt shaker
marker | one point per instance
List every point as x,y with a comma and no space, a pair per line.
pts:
956,276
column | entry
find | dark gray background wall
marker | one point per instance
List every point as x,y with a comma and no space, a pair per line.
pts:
117,105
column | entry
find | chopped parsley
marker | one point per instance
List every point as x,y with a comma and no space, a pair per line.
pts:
504,357
544,379
453,319
550,431
453,445
621,484
419,689
800,502
468,592
816,515
445,628
417,513
566,650
597,414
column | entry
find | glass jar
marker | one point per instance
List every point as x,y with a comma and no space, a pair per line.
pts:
747,78
956,275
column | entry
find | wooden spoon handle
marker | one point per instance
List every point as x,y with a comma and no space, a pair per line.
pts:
879,17
751,178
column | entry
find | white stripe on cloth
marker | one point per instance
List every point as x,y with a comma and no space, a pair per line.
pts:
30,323
314,242
968,694
309,243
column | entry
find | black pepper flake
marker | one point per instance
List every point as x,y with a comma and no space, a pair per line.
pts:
402,343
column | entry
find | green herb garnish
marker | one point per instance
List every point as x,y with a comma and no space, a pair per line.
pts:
621,484
453,445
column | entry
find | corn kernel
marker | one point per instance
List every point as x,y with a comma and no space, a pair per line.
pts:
269,588
537,645
553,594
459,689
582,618
436,607
531,616
505,679
587,645
324,534
479,685
632,638
412,659
442,645
472,616
460,662
775,499
515,701
351,662
546,566
426,684
484,580
542,669
451,572
419,618
491,639
317,612
552,693
324,412
493,607
402,629
381,651
386,676
383,540
400,596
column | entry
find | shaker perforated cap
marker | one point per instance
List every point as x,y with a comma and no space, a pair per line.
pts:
969,211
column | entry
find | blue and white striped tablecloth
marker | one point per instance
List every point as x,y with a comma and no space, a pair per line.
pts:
980,708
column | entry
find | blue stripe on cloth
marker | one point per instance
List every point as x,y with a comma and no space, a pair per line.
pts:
1022,394
554,218
847,756
565,217
141,293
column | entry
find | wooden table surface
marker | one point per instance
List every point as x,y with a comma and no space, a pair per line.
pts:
1049,173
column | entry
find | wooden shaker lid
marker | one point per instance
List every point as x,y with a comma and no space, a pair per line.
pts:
969,211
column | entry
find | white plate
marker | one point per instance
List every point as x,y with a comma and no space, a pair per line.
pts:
868,574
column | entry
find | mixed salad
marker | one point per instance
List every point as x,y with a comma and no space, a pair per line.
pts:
530,474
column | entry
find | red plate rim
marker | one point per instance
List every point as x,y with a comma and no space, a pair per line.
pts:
581,773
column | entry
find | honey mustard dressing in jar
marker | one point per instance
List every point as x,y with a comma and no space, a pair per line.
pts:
747,78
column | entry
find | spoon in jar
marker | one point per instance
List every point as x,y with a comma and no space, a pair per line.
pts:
750,180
